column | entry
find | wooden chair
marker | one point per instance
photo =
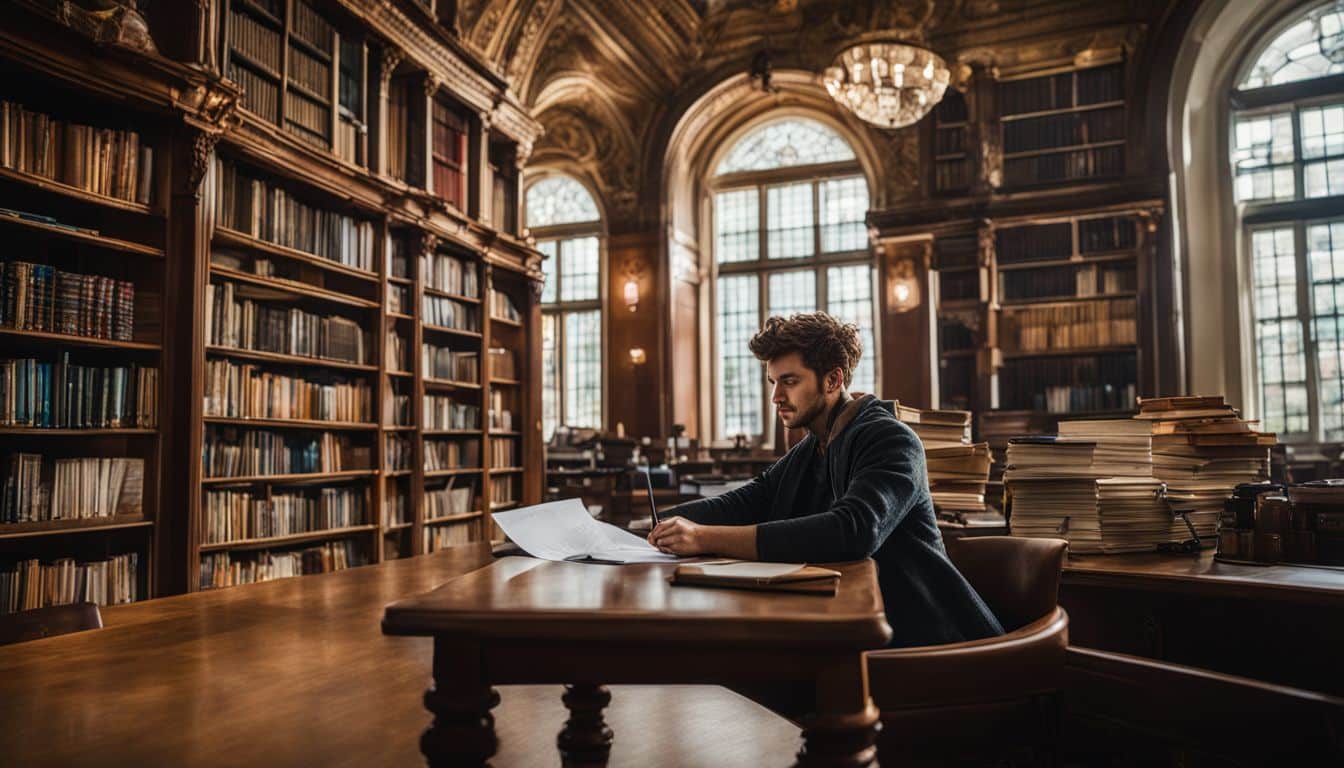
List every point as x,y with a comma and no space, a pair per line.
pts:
49,622
1148,712
983,699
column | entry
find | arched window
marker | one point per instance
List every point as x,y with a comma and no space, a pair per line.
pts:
1288,176
789,201
564,218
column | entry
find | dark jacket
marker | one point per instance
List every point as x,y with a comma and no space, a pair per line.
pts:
881,509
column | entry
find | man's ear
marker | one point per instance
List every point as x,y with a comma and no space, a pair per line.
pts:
835,380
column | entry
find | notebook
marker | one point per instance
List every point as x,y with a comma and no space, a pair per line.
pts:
770,577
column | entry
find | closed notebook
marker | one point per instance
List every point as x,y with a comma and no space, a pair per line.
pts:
770,577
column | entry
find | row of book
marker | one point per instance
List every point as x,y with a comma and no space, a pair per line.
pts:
1064,130
452,499
398,299
949,175
308,119
502,306
39,297
397,506
37,489
248,391
397,410
231,452
503,490
1066,326
397,453
1033,242
104,161
241,323
242,515
255,40
1070,384
227,569
439,537
503,452
443,412
450,274
395,353
1096,85
34,584
261,94
500,416
452,454
61,395
448,313
1064,166
1066,281
268,212
451,364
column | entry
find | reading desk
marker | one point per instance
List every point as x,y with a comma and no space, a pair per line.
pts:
519,621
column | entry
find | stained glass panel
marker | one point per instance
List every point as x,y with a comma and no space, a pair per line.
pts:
785,143
844,205
849,297
793,292
1263,157
549,267
580,267
583,369
1308,49
740,378
788,212
1279,342
737,225
559,200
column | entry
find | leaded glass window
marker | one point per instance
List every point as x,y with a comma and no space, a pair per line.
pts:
565,219
1311,47
559,200
789,237
785,143
1288,175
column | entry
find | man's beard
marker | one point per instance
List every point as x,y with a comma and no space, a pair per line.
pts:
805,418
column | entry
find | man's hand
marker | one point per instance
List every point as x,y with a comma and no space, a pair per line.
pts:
679,536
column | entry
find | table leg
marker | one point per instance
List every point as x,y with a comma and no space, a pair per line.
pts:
843,731
463,731
586,739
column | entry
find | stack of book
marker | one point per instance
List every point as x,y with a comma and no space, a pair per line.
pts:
1202,450
1059,488
957,468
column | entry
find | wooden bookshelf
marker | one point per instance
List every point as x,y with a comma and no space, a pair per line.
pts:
273,181
1063,126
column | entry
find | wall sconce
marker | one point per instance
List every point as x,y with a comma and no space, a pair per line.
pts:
632,293
637,356
903,286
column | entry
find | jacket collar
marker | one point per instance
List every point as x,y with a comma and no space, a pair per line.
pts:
847,415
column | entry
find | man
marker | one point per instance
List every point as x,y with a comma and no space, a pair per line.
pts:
854,487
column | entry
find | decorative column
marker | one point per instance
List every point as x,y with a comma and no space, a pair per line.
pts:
480,180
989,357
378,133
422,152
908,354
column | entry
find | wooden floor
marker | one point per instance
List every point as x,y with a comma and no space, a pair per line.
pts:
298,673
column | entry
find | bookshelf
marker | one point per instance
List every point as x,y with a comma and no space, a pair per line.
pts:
1065,126
952,144
250,256
83,190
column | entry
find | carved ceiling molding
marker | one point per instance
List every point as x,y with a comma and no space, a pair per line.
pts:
528,39
578,136
1090,47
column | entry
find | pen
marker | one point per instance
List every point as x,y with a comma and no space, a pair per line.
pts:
653,508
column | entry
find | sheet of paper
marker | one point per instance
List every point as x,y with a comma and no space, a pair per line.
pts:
748,569
559,530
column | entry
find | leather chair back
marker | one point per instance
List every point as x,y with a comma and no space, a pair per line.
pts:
1017,577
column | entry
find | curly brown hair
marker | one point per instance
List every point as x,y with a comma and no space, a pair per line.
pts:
824,342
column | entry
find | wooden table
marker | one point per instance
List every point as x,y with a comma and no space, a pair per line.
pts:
1282,624
520,621
296,673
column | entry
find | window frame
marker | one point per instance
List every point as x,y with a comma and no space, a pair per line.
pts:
1298,213
763,266
560,309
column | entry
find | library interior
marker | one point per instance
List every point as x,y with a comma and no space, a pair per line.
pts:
671,382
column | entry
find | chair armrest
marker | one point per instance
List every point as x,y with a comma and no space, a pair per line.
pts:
1022,663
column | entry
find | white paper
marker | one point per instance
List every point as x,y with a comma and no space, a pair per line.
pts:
748,569
563,530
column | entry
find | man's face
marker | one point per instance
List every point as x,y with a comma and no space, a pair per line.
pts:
795,390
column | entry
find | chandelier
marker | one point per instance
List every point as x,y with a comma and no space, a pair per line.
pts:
890,84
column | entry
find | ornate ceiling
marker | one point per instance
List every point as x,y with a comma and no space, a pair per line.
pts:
608,79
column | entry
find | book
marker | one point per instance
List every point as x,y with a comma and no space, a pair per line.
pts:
563,530
768,577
